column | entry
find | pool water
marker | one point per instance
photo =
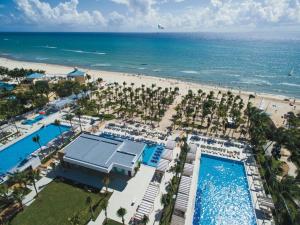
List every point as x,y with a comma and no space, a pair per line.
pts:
33,121
222,196
6,86
11,156
152,154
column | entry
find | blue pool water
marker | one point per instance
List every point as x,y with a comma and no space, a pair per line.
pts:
16,153
152,154
6,86
33,121
222,194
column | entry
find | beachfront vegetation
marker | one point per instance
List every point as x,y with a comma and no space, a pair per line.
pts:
17,73
61,203
129,102
285,190
210,112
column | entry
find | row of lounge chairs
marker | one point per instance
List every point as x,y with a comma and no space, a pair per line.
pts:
210,140
147,204
220,151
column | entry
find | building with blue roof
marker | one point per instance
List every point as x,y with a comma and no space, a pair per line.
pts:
35,77
103,154
77,75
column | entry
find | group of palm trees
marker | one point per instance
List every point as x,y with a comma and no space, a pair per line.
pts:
210,112
127,101
18,187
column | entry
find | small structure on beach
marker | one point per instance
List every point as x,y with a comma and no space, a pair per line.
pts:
77,75
104,155
34,77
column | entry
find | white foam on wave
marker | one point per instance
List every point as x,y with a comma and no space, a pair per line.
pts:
141,68
41,58
290,84
190,71
156,70
101,65
264,76
84,52
47,46
258,82
233,75
5,39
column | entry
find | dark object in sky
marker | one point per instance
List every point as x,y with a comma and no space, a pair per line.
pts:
160,27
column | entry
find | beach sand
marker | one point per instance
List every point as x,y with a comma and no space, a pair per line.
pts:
274,105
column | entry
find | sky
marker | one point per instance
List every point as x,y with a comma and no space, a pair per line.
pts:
145,15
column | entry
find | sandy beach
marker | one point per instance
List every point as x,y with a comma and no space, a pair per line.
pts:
274,105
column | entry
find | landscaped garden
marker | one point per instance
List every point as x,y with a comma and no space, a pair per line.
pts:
61,203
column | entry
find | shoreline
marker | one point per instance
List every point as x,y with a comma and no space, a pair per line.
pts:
117,76
276,106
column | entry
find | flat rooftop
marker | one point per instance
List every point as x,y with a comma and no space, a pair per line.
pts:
102,154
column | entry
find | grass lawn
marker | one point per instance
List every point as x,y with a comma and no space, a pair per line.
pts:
57,203
112,222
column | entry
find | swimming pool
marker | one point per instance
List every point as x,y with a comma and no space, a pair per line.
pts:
6,86
222,196
17,152
152,154
34,120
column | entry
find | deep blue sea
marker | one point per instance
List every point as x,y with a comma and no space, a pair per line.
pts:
235,62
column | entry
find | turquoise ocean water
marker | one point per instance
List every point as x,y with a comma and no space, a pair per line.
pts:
235,62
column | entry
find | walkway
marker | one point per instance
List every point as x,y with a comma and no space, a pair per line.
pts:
40,184
134,191
166,120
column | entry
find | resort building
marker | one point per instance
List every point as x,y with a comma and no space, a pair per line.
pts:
35,77
103,154
77,75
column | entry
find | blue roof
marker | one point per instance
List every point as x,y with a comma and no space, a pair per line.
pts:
103,154
35,75
76,73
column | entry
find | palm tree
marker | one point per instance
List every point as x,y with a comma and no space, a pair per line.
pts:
69,117
18,195
121,213
89,202
4,193
57,123
104,205
78,113
106,182
145,220
34,175
36,139
20,178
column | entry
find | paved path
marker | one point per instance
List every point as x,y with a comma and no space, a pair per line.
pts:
166,120
40,184
134,191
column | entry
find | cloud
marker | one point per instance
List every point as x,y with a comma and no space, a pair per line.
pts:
144,15
64,13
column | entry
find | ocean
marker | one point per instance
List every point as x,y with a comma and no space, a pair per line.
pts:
233,61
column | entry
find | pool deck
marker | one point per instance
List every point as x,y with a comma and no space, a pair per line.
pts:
244,157
29,129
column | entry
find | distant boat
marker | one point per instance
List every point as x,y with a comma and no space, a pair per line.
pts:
160,27
291,73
